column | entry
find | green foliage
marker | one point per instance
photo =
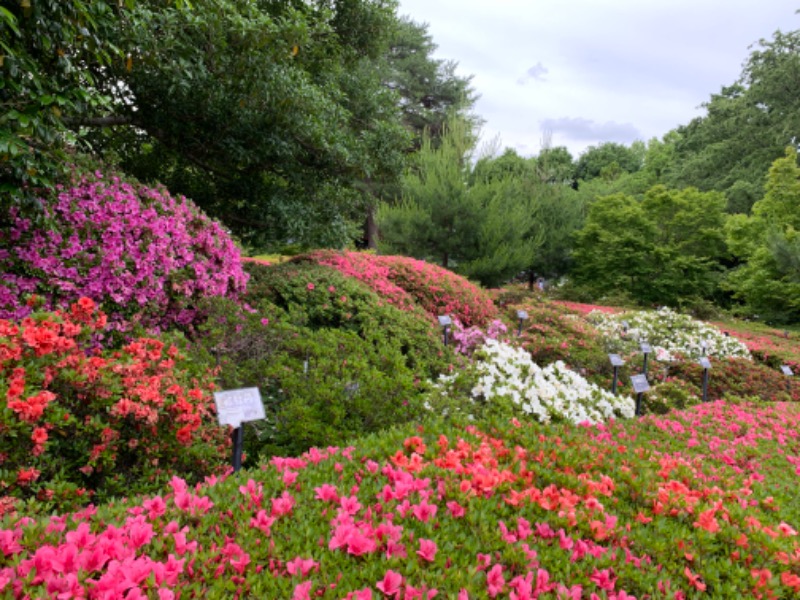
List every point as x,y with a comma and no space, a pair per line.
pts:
429,89
320,386
608,161
319,297
53,57
768,243
746,126
269,115
662,250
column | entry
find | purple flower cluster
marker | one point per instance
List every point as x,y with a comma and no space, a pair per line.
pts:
146,256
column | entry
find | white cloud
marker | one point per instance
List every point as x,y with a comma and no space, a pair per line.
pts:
586,130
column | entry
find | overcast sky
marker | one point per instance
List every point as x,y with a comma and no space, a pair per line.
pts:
586,72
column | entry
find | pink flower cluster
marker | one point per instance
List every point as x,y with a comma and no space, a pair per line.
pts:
144,255
616,511
405,282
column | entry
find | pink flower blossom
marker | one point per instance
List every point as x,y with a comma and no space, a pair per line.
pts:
390,584
427,549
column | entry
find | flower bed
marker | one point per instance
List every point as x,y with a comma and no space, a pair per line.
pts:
700,501
672,335
405,282
505,374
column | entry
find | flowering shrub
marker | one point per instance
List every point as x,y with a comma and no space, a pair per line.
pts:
672,335
553,393
552,333
585,309
701,502
78,425
405,282
144,255
767,345
467,339
318,296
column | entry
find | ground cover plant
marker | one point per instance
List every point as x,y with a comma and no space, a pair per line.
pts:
697,503
145,256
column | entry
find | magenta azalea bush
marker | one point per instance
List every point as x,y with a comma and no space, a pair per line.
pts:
145,256
698,503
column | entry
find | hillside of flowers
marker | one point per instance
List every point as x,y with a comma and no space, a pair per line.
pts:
398,457
698,503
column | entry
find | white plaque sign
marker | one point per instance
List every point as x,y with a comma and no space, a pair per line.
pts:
786,370
235,407
640,384
705,363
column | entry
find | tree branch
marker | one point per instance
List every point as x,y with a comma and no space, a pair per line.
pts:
109,121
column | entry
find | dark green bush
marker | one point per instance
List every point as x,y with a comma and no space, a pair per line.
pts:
320,387
320,297
740,377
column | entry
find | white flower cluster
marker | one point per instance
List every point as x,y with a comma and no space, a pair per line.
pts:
670,334
550,393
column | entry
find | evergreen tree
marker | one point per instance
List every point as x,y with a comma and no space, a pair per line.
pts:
481,230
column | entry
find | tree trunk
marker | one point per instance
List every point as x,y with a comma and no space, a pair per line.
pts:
371,229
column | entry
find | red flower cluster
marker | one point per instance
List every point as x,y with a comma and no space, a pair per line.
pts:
91,408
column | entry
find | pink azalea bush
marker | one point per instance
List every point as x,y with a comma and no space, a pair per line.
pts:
405,282
144,255
699,502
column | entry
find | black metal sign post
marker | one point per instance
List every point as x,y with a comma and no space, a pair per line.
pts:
237,437
521,316
706,364
445,322
640,386
646,350
786,370
616,362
